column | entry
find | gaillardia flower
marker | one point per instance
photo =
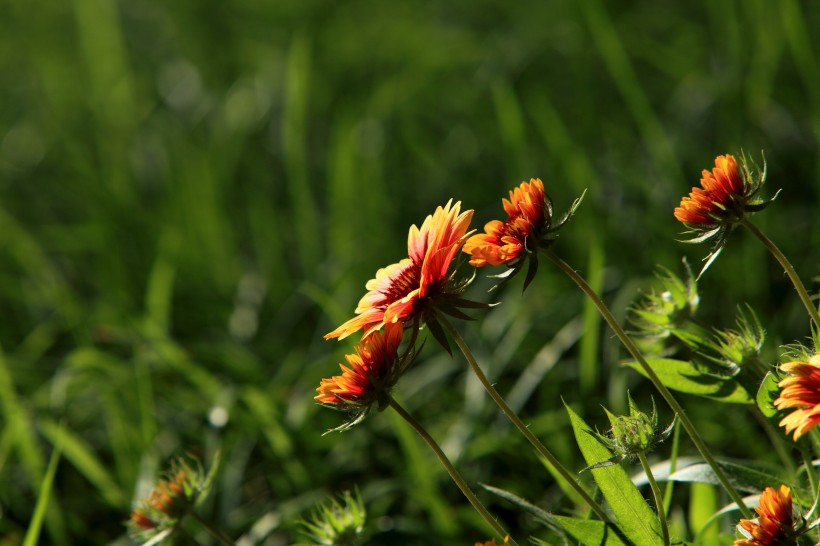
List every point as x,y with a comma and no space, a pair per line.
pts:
373,371
774,525
417,285
726,194
800,390
529,212
528,226
169,501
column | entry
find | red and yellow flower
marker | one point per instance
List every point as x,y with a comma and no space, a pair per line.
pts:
720,198
774,525
801,390
529,214
727,193
373,371
410,288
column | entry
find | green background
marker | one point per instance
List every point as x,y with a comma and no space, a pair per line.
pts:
194,192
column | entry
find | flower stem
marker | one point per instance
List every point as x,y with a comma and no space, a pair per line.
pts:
650,373
452,471
216,533
656,491
788,268
512,416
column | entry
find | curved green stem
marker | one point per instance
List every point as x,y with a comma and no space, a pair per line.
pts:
216,533
650,373
788,268
512,416
656,492
452,471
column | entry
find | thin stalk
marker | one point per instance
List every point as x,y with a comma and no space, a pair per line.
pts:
452,471
788,268
519,424
656,491
216,533
650,373
810,472
673,465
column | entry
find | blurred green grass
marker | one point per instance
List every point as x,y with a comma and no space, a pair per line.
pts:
193,193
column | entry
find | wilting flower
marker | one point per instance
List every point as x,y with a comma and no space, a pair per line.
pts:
726,194
774,525
170,500
373,371
419,284
529,225
494,543
800,390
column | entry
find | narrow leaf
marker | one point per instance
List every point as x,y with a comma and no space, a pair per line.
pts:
638,521
33,532
743,478
589,532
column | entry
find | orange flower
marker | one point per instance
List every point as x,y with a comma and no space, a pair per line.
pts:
417,284
725,196
373,372
529,212
169,501
774,525
721,198
800,390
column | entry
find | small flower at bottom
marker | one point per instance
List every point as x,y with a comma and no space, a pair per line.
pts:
529,225
337,523
170,500
800,390
374,370
726,195
775,522
418,285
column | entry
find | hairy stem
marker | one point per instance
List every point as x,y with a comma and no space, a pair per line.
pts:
216,533
788,268
650,373
454,474
656,492
512,416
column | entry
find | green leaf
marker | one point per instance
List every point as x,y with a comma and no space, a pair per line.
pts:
742,477
637,520
589,532
684,376
33,532
766,395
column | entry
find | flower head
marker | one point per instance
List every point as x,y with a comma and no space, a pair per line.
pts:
529,225
416,285
529,211
727,193
774,525
339,522
170,500
373,371
800,390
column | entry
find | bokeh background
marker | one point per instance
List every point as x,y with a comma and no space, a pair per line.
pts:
194,192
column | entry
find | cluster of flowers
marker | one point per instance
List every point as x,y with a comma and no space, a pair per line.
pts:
417,289
420,288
